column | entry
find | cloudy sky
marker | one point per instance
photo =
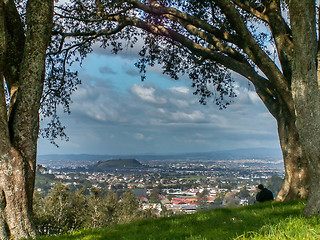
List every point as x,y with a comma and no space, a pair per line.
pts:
113,112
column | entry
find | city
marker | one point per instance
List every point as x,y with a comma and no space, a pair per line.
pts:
173,186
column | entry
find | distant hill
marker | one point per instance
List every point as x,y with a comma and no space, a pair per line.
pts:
115,164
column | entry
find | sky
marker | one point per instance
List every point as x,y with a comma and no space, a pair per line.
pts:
113,112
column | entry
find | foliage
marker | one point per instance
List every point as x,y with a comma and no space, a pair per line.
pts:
80,26
244,193
44,181
62,211
55,212
154,196
231,199
202,198
128,207
272,220
274,184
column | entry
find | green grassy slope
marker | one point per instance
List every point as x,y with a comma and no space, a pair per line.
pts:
260,221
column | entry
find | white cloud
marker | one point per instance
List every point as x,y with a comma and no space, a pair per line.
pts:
140,137
179,103
194,116
184,90
147,94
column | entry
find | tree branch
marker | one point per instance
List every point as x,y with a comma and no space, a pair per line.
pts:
102,16
282,36
249,9
91,36
264,88
243,68
247,42
160,10
217,43
252,48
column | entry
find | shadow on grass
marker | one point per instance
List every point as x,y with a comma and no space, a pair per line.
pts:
216,224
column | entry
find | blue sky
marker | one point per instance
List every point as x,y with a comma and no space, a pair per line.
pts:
113,112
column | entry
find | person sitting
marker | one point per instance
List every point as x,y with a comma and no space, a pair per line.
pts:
264,194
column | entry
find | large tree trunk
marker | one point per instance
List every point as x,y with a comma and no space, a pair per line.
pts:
22,70
306,93
16,217
296,180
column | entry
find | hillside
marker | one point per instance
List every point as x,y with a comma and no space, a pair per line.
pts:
260,221
115,164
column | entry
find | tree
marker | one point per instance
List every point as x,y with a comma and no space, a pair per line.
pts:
61,211
155,195
202,198
208,39
274,184
231,199
244,193
128,208
33,80
97,208
79,210
112,202
24,38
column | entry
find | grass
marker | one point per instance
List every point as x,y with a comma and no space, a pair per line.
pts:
271,220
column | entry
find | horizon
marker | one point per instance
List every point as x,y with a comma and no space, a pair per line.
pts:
249,150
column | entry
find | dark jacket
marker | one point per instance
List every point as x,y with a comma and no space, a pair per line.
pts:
264,195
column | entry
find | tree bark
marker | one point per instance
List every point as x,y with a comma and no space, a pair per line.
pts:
306,93
296,180
17,214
